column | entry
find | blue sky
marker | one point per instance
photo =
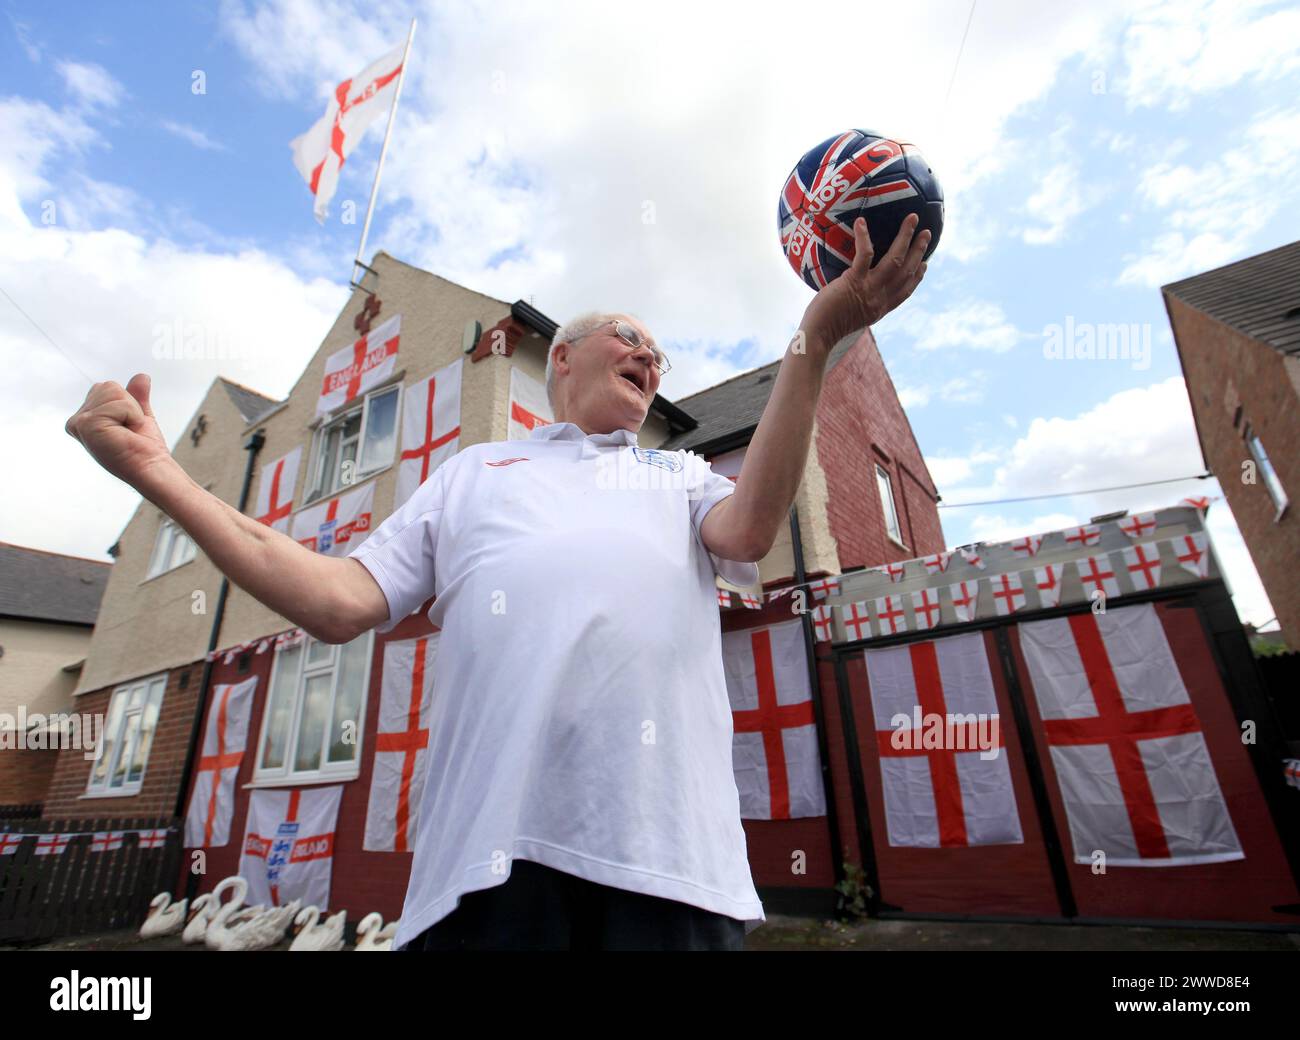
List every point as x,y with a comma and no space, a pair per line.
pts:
1087,157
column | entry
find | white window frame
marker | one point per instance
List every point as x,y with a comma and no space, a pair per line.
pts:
286,774
153,687
1272,482
889,505
169,531
365,468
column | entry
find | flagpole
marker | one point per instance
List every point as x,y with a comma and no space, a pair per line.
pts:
379,170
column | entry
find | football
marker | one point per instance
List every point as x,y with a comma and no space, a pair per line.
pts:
854,174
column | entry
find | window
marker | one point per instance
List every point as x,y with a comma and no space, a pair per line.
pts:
128,734
356,444
172,548
887,503
1280,501
312,725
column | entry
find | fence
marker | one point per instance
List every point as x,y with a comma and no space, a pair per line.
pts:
70,877
20,812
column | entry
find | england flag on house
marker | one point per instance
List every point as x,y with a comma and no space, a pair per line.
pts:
288,848
528,405
353,370
338,525
275,491
225,736
1127,748
401,745
943,761
774,742
430,428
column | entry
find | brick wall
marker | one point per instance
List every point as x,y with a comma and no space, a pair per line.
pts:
157,796
1225,369
25,775
861,423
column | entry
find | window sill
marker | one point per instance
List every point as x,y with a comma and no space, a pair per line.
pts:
111,794
362,478
897,542
317,781
172,570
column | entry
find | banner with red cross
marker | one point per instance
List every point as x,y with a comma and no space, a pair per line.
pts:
774,741
528,406
275,491
1143,563
401,744
430,428
288,850
1127,746
225,737
353,370
1008,593
943,761
337,526
1192,553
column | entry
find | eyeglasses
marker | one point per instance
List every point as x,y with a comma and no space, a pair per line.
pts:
631,335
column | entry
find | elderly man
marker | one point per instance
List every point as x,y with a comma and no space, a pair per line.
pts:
579,792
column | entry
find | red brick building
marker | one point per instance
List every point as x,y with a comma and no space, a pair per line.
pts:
1237,329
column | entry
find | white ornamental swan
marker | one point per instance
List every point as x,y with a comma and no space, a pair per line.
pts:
165,917
325,937
373,935
204,909
257,933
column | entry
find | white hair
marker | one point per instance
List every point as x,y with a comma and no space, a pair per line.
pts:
570,332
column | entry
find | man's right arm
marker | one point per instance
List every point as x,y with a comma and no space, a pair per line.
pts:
333,599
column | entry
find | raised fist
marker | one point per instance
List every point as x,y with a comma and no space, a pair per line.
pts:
117,426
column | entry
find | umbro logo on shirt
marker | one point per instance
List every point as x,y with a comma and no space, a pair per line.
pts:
506,462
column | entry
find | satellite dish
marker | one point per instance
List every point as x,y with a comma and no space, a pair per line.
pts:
473,332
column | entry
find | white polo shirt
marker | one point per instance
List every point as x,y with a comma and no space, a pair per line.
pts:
580,715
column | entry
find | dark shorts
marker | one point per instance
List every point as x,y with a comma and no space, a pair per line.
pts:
539,908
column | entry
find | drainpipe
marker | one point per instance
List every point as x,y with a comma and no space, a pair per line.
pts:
253,445
814,678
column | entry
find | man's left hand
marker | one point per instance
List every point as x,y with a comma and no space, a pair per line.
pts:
862,295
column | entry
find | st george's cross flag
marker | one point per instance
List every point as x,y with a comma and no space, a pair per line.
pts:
354,104
338,525
401,745
353,370
430,428
275,491
289,842
528,406
1127,746
225,736
943,761
774,736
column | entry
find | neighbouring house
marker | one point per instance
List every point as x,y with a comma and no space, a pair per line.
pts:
1237,329
48,606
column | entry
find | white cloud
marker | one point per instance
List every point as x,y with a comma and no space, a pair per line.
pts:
948,470
193,135
1173,52
91,85
1055,204
1212,212
971,324
964,389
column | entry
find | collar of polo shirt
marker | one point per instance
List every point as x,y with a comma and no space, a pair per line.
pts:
567,431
